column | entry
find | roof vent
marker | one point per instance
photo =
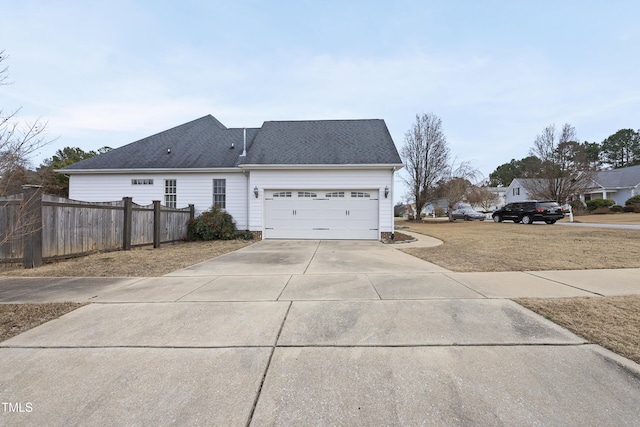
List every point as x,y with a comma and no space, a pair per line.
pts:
233,145
168,150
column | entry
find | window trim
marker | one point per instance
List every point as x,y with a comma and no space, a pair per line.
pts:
171,193
335,194
306,194
141,181
281,194
221,195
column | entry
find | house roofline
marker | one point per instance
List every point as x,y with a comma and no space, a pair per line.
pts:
146,171
238,169
394,166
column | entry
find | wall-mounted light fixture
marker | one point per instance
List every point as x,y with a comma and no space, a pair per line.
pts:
386,191
255,191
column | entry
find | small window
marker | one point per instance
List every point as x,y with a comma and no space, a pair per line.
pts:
220,193
360,194
335,194
306,194
516,191
170,193
282,194
138,181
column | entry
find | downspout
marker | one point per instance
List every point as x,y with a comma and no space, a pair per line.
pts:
247,175
393,218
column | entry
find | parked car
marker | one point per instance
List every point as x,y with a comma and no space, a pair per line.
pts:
529,211
467,214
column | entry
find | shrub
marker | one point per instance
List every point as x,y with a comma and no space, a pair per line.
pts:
635,200
594,204
214,224
616,208
243,235
600,211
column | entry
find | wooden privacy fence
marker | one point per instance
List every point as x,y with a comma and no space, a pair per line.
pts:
36,226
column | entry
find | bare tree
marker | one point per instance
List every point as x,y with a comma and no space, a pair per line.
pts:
455,186
18,140
565,169
483,197
425,155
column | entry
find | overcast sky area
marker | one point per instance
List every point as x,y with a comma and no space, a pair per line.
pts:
495,72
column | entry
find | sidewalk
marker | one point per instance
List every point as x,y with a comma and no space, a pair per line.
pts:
316,333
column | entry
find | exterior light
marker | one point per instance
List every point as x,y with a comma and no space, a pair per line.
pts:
255,191
386,191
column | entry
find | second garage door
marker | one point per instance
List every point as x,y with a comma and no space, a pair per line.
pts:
326,214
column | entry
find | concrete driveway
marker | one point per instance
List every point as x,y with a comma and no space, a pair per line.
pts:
318,333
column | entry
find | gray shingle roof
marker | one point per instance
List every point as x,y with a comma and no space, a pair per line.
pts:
323,142
619,178
205,143
201,143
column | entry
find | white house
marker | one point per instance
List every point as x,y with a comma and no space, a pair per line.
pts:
517,191
616,184
318,179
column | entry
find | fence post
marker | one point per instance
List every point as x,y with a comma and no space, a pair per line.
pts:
126,228
192,211
156,223
32,220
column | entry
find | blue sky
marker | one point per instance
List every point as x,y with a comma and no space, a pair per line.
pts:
495,72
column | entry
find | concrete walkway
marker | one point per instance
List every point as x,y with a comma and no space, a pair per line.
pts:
315,333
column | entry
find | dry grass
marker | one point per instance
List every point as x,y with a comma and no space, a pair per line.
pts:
612,322
488,246
17,318
630,218
139,262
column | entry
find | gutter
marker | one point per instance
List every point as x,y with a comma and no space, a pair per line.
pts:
393,166
146,171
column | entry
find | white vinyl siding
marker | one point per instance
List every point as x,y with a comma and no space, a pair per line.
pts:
193,188
197,189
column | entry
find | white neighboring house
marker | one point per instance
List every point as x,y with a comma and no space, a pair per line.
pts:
616,184
316,179
516,191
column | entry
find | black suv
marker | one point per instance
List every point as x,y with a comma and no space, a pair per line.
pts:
528,211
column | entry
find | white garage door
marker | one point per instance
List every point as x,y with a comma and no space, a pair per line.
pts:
326,214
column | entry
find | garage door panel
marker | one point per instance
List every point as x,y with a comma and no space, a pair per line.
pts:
326,214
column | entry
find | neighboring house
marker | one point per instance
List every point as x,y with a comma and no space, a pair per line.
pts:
317,179
516,191
616,184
